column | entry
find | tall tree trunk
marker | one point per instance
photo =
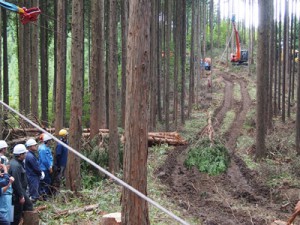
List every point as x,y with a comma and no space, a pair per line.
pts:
136,144
192,64
5,58
183,53
168,10
61,55
113,86
211,25
102,74
73,180
1,107
279,62
298,106
176,36
285,56
159,63
34,69
153,65
44,64
124,27
262,76
94,69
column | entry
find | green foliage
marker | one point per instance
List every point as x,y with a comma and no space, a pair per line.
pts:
213,160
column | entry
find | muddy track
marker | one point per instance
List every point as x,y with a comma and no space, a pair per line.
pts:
230,198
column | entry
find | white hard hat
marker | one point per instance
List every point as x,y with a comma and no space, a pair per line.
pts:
46,137
3,144
19,149
30,142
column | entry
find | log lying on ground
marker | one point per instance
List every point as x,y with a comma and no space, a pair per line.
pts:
78,210
154,138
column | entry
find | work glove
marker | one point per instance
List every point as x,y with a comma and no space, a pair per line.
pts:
42,176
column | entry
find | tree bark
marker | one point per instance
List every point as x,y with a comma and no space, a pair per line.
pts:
113,86
262,77
61,55
136,144
73,180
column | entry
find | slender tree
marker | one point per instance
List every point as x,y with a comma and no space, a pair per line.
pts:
61,55
183,58
113,85
34,69
192,65
124,27
136,131
262,76
73,180
298,107
94,69
5,58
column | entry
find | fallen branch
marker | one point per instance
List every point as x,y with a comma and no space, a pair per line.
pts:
78,210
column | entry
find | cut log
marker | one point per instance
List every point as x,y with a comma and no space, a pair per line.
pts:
111,219
31,218
171,138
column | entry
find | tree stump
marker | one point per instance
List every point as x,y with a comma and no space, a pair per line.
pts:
31,218
111,219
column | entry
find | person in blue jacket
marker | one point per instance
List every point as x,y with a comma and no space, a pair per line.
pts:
61,154
46,163
33,171
5,181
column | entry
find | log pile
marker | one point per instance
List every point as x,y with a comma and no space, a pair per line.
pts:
154,138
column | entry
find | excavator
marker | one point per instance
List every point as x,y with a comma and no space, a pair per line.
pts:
241,56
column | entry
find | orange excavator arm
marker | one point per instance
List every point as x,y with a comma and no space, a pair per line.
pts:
237,56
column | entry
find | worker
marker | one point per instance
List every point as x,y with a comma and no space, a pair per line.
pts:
46,163
61,153
33,172
4,181
21,200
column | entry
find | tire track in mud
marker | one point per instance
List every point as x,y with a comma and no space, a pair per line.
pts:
216,200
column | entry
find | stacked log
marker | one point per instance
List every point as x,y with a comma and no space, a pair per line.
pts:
154,138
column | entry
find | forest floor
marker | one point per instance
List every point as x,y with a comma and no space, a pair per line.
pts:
241,195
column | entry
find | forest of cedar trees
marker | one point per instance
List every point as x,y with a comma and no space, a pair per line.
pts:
115,73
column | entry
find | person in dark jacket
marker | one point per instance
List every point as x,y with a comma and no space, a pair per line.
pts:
4,181
21,200
61,154
33,172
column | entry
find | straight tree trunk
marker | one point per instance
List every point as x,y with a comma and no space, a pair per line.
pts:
61,55
124,27
159,63
183,57
168,10
34,68
153,65
1,107
262,77
136,130
285,56
73,181
94,69
113,86
5,58
192,64
44,64
176,36
298,106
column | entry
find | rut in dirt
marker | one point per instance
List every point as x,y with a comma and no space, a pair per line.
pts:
215,199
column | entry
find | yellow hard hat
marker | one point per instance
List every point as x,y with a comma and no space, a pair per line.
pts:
63,132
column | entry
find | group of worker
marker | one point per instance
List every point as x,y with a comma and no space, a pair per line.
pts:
28,176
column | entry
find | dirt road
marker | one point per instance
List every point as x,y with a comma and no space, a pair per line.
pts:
237,197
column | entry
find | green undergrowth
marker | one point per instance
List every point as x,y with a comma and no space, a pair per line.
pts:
212,159
107,195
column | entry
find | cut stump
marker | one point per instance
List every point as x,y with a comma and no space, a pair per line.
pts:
111,219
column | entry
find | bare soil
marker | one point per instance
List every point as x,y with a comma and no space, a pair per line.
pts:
236,197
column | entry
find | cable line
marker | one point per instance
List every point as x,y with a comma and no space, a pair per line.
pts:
121,182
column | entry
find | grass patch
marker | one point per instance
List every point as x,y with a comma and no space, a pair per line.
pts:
228,120
213,159
237,92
